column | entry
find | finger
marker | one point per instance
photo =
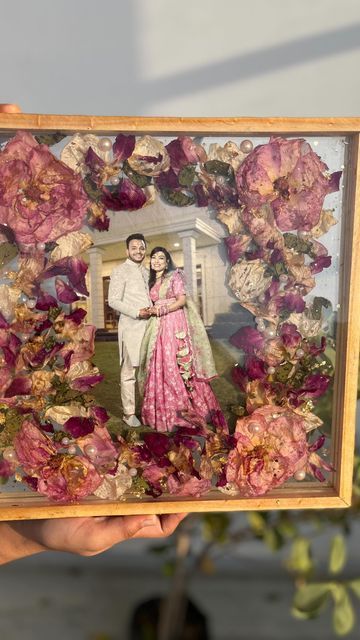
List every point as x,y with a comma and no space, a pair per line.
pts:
162,527
9,108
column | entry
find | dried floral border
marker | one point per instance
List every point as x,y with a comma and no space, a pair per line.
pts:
262,195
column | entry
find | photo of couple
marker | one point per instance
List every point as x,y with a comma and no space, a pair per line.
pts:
165,353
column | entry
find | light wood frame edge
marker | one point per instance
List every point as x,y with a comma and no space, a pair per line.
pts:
340,495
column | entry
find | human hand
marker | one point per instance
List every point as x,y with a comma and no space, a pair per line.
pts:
81,536
145,313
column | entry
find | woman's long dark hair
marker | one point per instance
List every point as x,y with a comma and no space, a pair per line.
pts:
170,264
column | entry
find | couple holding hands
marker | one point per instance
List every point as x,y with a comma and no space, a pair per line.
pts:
163,344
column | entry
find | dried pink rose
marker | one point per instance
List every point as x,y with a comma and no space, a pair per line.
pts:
33,448
188,486
248,339
270,444
236,246
183,151
103,451
68,478
123,146
290,177
128,197
41,199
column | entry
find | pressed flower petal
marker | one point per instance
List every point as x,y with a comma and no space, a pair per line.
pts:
78,427
123,146
64,292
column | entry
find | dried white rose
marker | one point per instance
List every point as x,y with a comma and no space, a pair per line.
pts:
308,326
114,486
149,157
71,244
9,298
248,280
73,154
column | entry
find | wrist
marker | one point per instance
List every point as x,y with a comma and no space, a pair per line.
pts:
14,545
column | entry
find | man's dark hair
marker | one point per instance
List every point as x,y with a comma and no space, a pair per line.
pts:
135,236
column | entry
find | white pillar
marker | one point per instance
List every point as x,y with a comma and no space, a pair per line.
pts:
189,251
96,288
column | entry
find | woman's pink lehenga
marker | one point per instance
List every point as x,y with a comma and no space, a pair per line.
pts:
176,363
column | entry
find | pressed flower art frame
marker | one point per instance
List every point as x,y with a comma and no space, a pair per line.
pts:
266,182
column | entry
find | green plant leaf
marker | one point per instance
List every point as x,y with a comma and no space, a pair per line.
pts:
216,527
256,520
337,557
355,586
300,559
273,538
310,599
343,615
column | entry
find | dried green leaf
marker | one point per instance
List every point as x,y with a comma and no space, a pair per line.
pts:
177,198
337,557
137,178
92,189
219,168
283,371
50,138
300,245
186,175
8,251
316,308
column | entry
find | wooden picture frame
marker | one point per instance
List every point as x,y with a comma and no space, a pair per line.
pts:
337,490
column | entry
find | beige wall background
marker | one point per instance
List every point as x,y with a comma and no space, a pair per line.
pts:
194,57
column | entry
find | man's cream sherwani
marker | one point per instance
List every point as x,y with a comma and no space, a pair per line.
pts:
128,293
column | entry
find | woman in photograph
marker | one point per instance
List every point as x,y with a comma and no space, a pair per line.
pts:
176,361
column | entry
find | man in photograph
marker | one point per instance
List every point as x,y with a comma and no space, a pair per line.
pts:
129,294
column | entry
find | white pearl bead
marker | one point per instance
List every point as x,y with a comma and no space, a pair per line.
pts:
270,333
90,450
133,472
246,146
258,319
114,180
31,303
22,297
300,475
262,297
300,353
65,441
41,246
254,427
283,277
105,144
72,449
271,370
303,234
9,454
